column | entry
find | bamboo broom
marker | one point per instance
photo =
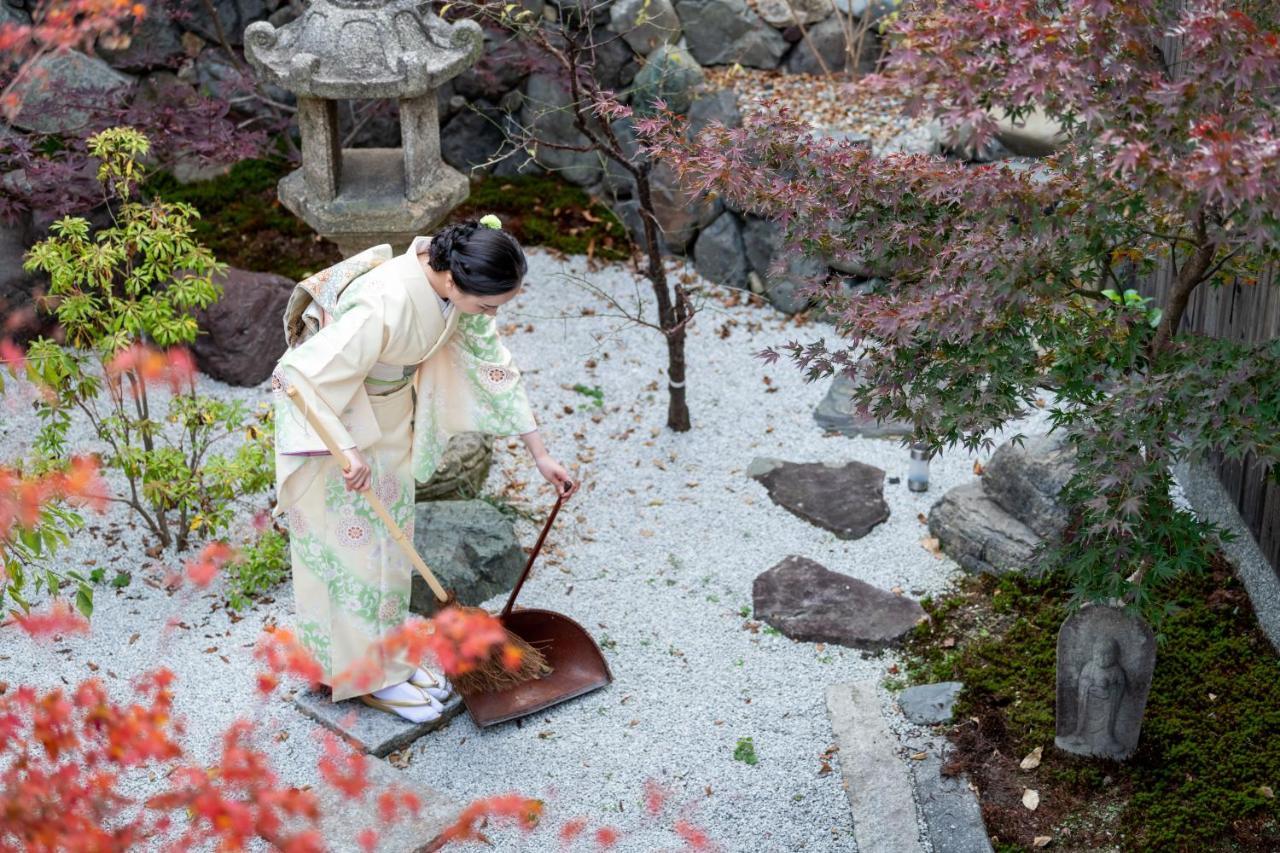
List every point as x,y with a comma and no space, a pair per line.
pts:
492,674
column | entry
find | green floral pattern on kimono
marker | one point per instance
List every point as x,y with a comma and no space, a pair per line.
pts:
378,611
316,640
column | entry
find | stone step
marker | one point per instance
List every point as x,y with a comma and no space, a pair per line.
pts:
377,732
950,809
876,779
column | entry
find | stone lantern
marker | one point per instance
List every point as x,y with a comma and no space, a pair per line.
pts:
362,49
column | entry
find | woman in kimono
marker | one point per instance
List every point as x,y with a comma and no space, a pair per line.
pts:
393,354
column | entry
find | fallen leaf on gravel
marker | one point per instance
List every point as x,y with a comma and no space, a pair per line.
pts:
282,736
919,756
1041,841
977,468
893,670
1031,798
824,768
646,533
133,638
1032,761
708,790
897,590
932,545
949,643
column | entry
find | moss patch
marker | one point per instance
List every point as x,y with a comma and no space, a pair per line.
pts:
1208,757
245,225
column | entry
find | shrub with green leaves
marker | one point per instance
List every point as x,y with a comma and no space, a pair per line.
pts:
261,566
124,296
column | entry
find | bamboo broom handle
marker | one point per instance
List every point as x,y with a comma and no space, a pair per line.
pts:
374,501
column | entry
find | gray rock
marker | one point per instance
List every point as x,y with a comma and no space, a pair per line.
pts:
618,181
808,602
837,412
628,212
62,90
950,808
470,546
719,106
679,214
463,467
1034,135
761,238
17,286
154,42
233,16
975,532
787,13
473,136
787,288
645,24
878,8
846,499
919,139
827,41
669,73
615,67
10,15
546,112
1105,660
1026,481
241,339
722,32
368,729
929,704
718,254
874,778
500,69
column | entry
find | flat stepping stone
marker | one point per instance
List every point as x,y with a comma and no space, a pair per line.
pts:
809,602
929,704
836,413
950,809
876,780
846,499
378,733
342,817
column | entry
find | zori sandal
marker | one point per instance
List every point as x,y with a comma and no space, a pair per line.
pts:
426,710
435,684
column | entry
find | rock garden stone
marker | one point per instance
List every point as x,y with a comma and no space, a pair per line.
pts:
628,212
16,284
369,729
718,106
826,41
242,339
787,13
846,499
761,238
837,412
470,546
718,253
153,42
61,90
616,66
645,24
875,9
929,704
463,468
618,182
233,15
950,809
1026,480
722,32
500,69
546,112
473,136
1105,660
979,535
785,289
1034,135
10,15
808,602
679,215
669,73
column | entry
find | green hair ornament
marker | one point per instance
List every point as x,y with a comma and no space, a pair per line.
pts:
491,221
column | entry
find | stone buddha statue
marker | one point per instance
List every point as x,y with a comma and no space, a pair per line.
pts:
1100,691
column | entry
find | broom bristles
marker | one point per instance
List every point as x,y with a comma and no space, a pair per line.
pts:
493,675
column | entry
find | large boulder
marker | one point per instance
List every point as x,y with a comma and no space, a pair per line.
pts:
977,533
463,468
807,601
827,41
718,253
789,13
17,287
473,136
1026,481
645,24
470,546
242,337
232,17
838,413
546,112
724,32
500,69
152,42
680,215
62,91
669,73
719,106
616,66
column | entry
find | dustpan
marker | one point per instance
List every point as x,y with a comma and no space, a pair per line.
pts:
577,664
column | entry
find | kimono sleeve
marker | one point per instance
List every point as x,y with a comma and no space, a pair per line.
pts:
330,367
498,402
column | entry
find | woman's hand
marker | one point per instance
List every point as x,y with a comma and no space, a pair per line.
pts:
357,474
556,475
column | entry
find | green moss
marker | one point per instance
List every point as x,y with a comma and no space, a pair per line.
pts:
1208,751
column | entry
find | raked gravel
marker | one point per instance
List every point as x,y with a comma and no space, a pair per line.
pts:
655,556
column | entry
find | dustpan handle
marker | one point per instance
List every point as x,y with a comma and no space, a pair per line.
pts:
537,548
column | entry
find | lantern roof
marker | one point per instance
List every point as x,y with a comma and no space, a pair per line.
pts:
347,49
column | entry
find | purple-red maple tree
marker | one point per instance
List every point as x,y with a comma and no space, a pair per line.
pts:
1004,280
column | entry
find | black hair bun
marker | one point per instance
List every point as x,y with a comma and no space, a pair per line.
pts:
448,241
483,261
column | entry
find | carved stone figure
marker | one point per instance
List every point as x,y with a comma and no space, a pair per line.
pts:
1105,660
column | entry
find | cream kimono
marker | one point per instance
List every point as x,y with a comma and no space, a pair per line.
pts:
374,355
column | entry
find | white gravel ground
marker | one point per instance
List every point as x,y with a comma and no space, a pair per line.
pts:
656,556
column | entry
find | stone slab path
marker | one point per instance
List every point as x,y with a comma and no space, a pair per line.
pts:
368,729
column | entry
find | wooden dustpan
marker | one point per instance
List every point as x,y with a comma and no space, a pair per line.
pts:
577,664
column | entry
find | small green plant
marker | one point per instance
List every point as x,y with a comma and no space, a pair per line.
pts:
745,611
124,297
745,751
771,631
261,566
594,393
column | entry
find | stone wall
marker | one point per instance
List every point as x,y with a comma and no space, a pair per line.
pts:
662,49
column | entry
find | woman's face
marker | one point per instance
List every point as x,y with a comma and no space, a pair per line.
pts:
469,303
